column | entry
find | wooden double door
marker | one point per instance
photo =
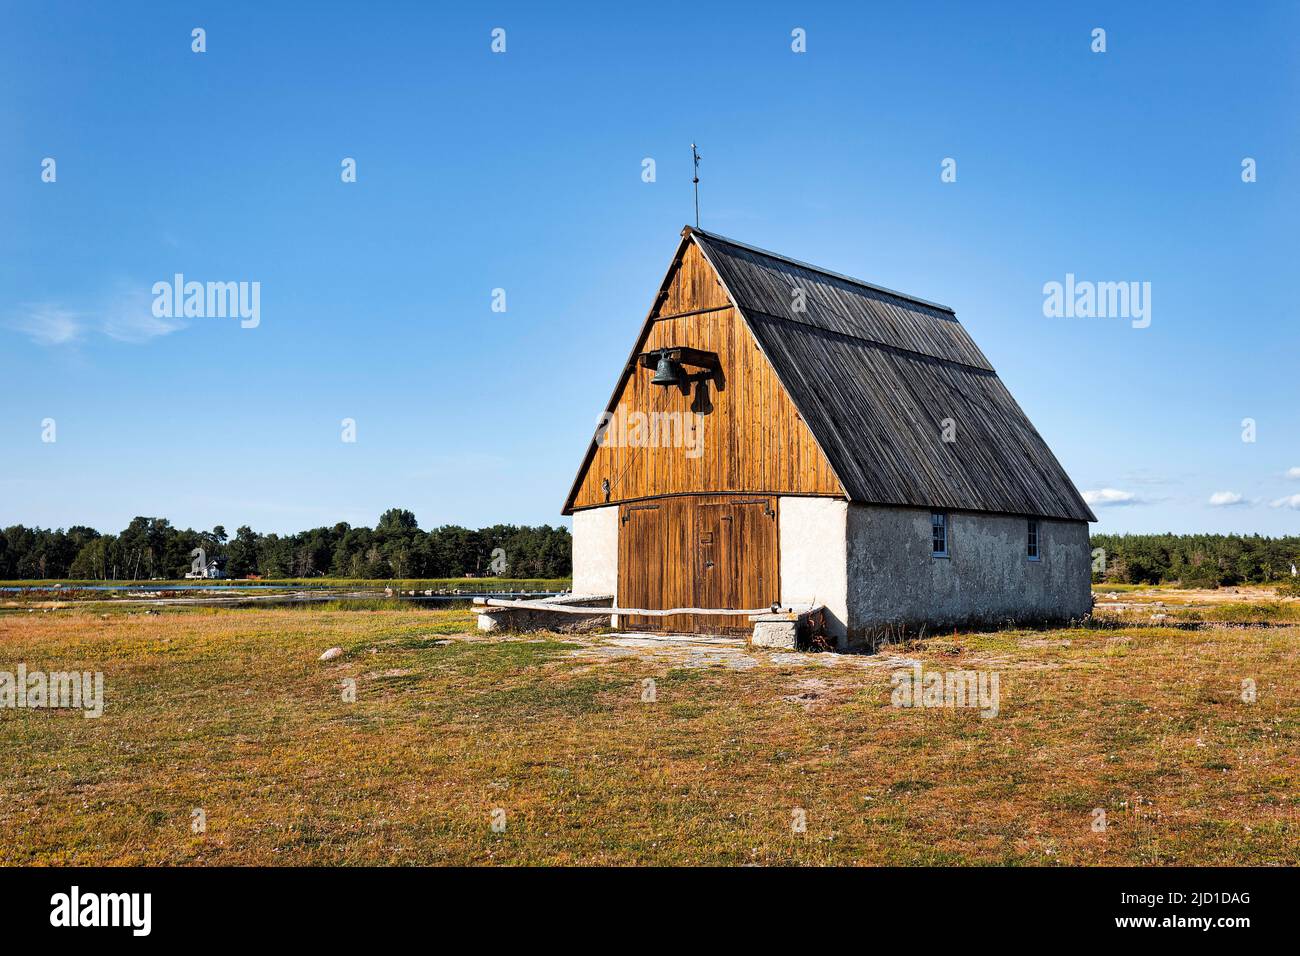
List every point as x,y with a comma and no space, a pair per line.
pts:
702,551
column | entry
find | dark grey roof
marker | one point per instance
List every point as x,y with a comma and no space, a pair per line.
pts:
874,373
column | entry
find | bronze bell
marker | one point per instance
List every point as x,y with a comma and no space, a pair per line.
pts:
667,372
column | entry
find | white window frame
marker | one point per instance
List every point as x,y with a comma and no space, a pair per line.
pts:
1033,533
941,523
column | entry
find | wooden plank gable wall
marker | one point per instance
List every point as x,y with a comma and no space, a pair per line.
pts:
753,438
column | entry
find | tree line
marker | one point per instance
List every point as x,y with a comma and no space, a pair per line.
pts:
397,548
1195,560
150,548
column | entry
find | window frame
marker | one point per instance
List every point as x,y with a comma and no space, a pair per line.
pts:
942,522
1033,540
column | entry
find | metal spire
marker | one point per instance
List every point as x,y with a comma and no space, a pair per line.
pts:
696,181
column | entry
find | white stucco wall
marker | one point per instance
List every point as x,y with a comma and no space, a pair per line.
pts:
812,555
595,550
987,578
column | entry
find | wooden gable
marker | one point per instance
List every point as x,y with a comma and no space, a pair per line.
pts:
752,439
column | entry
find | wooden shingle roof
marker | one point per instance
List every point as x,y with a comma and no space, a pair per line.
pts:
875,373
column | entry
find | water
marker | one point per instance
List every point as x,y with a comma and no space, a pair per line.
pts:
147,586
273,595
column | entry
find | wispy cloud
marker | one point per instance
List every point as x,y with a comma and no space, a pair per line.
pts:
129,318
125,314
1111,498
1293,473
1226,499
46,323
1290,501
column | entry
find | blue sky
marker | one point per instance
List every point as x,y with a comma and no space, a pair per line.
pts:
522,171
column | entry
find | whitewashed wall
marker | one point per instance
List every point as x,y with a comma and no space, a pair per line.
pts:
595,551
812,554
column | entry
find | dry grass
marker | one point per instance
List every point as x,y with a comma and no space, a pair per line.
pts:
232,712
1247,604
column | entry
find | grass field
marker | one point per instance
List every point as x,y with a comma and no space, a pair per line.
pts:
230,712
1247,604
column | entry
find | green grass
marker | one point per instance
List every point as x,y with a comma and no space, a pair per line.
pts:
1267,612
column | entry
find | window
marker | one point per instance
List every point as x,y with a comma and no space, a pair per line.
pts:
1032,543
938,534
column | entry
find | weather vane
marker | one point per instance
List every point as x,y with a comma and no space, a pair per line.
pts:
696,181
